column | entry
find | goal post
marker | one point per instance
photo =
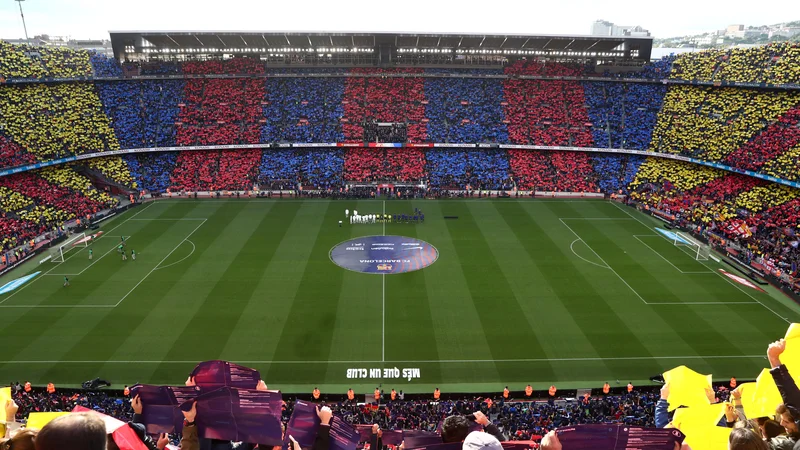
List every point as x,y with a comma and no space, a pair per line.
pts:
697,250
76,241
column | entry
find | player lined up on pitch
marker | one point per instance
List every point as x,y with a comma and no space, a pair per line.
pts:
355,218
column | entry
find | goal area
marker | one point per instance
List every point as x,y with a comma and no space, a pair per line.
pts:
697,250
76,241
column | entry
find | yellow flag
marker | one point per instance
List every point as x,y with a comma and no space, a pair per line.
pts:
707,415
5,394
37,420
791,356
699,424
686,387
765,397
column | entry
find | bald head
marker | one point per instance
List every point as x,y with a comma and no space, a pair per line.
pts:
77,431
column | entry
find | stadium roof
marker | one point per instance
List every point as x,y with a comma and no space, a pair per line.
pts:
129,43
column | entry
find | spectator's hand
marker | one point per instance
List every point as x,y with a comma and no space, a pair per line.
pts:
261,386
11,410
163,440
550,442
191,414
325,414
730,413
665,391
481,418
295,444
375,428
712,397
190,381
737,396
774,352
136,403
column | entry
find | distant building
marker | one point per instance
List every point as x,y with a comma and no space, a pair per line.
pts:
605,28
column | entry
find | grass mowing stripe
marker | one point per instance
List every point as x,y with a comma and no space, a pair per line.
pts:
223,305
451,305
557,330
492,296
309,326
358,327
256,334
608,334
410,326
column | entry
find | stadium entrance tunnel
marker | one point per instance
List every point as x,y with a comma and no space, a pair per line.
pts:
384,254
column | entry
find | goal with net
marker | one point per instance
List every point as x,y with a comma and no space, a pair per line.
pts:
697,250
76,241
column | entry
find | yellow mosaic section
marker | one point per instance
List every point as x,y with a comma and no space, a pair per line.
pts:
710,123
761,198
684,176
786,165
11,201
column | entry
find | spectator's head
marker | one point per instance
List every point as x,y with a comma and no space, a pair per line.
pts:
455,429
746,439
478,440
788,419
770,429
23,440
78,431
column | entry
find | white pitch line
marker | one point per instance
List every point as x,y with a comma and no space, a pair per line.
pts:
702,303
164,259
90,265
58,264
430,361
581,257
665,259
604,262
736,285
182,259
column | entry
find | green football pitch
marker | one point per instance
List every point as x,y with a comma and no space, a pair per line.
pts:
572,293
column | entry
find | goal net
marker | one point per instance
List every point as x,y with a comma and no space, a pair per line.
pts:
79,240
697,250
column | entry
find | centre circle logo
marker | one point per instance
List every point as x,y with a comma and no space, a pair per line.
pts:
384,254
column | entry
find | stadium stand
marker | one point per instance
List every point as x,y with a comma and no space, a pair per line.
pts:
774,63
400,101
151,172
374,165
711,123
552,171
467,110
303,110
546,112
458,169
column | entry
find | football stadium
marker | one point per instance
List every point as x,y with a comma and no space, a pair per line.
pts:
535,232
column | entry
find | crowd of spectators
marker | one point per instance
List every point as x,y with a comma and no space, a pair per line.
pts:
776,63
623,114
557,171
12,155
143,113
546,112
384,100
778,137
465,110
28,61
377,164
303,110
711,123
56,120
460,169
151,171
615,171
104,66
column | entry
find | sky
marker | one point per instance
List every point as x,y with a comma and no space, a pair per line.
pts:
84,19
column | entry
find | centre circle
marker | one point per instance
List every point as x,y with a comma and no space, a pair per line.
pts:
384,254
